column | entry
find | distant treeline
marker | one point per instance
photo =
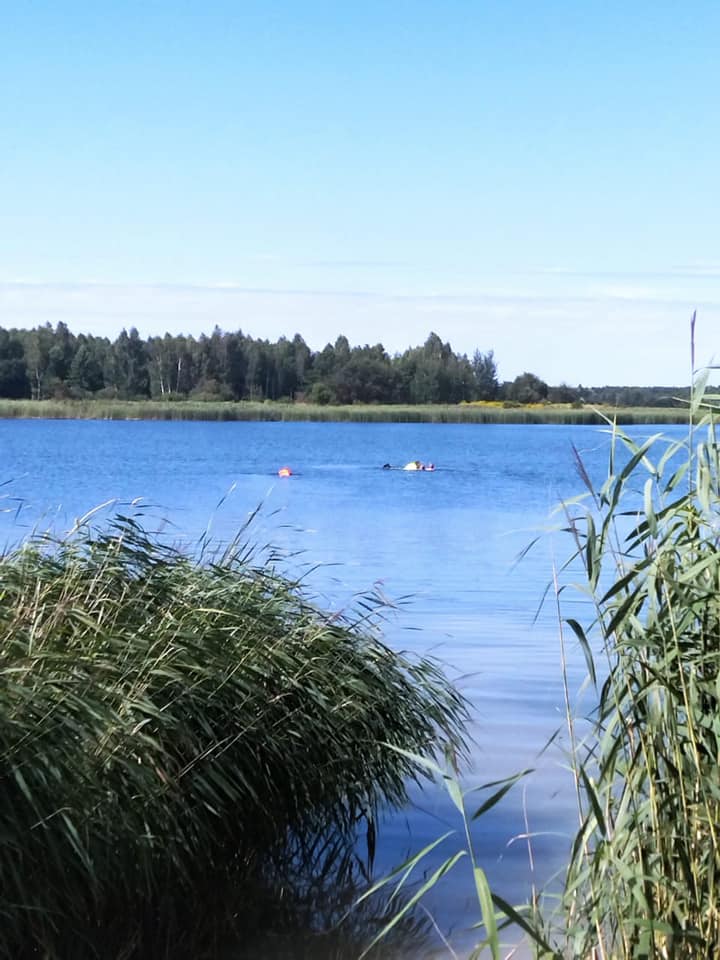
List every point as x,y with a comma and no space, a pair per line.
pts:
53,363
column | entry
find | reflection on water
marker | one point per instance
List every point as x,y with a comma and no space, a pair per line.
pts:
442,546
312,912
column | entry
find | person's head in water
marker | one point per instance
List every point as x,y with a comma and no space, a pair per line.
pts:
386,466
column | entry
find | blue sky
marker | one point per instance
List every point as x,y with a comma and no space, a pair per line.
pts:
536,178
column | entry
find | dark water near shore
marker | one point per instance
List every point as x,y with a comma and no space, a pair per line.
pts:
441,545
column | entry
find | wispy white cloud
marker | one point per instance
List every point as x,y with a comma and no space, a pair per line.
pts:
699,270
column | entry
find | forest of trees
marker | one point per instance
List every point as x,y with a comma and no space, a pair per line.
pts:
49,362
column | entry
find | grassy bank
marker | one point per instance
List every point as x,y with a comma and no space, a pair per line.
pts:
430,413
171,732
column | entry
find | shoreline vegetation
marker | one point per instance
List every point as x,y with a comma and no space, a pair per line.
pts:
182,736
273,411
48,363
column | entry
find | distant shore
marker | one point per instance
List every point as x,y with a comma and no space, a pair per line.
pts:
358,413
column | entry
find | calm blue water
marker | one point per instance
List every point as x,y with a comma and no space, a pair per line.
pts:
442,545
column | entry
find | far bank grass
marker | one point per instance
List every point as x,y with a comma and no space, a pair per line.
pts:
356,413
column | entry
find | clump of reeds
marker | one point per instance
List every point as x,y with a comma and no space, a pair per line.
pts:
644,874
167,727
353,413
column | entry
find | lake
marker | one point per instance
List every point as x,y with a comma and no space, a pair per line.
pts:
441,546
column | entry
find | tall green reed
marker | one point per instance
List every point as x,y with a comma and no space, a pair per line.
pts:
644,873
169,727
